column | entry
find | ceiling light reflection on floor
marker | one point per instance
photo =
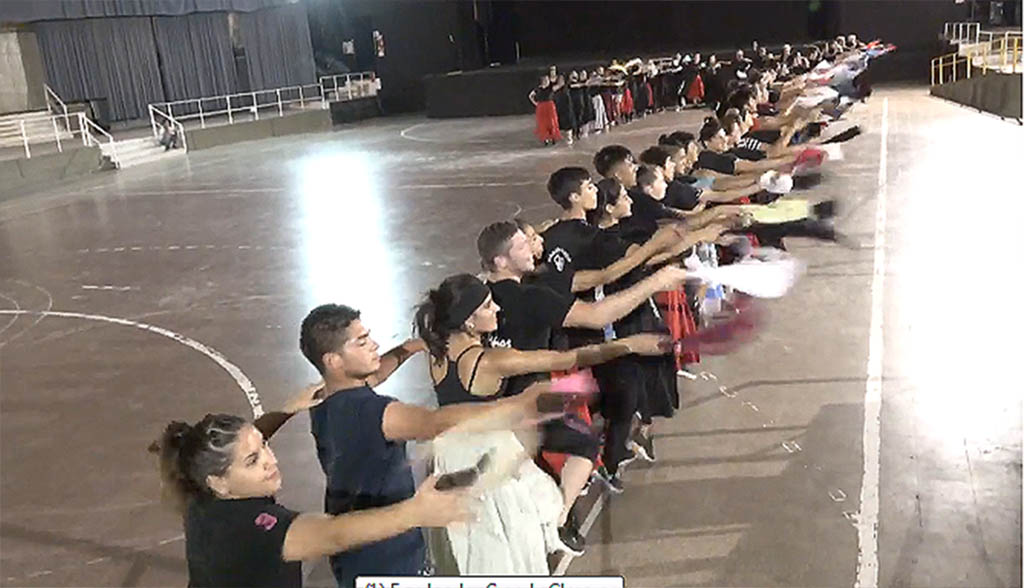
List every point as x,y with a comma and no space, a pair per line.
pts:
345,242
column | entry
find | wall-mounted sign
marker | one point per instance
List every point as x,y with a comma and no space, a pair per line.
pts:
378,43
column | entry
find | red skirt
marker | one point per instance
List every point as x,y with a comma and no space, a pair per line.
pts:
696,92
547,122
679,319
556,461
627,102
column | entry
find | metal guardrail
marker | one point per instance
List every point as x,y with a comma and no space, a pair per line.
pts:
156,114
961,32
986,51
342,86
356,85
89,128
53,101
243,102
59,129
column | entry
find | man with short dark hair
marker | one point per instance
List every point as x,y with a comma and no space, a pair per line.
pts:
578,256
528,316
360,435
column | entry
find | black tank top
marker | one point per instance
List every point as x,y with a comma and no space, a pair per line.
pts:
450,389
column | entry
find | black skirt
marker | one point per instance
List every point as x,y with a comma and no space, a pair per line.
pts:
581,105
566,114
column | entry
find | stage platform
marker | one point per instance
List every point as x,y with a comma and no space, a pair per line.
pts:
503,90
495,91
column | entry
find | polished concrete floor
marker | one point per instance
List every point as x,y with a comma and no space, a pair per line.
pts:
168,287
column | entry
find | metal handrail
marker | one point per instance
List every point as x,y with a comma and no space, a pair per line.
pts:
1006,45
89,138
27,135
961,32
360,79
194,108
49,94
155,112
941,65
177,111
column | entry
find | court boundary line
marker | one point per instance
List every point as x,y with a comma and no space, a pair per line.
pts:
243,381
867,517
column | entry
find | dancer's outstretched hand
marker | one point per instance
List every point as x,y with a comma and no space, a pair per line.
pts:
307,398
648,343
431,507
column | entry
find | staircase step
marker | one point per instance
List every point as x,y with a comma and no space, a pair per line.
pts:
150,157
27,116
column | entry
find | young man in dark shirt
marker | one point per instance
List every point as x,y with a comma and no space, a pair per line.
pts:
528,316
574,247
720,190
616,161
713,159
360,435
582,255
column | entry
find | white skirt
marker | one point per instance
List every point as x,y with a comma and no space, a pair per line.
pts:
518,511
600,116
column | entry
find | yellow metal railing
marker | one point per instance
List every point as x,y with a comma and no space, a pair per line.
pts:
1000,52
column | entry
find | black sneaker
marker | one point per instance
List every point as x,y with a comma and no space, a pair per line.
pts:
570,541
825,210
845,135
612,481
644,447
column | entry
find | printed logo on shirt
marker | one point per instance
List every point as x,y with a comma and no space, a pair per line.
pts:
559,258
495,341
267,521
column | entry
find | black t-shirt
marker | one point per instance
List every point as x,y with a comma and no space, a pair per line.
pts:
239,543
571,245
529,313
764,135
720,162
682,195
643,222
590,249
747,153
365,470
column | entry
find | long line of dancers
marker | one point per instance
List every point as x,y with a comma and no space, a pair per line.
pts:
576,104
550,367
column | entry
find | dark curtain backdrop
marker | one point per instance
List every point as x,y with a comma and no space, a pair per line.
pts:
277,46
33,10
136,61
112,58
195,55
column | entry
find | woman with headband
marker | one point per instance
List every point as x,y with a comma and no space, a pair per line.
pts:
522,513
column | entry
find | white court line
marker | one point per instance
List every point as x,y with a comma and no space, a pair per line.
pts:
49,306
108,287
233,370
14,319
403,134
867,519
563,566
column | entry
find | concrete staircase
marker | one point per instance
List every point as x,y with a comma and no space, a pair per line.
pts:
38,129
132,152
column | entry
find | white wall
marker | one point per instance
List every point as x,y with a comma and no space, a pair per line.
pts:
21,72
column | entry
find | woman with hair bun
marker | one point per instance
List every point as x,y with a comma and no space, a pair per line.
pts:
525,516
221,476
